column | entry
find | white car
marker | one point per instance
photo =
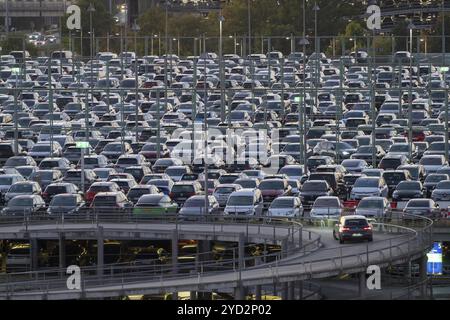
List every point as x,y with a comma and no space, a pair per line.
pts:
327,207
288,207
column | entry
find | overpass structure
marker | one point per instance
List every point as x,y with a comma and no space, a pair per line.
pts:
43,8
306,253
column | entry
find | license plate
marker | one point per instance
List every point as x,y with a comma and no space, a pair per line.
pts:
357,235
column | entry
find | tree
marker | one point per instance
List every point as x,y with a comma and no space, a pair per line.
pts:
15,43
102,23
435,39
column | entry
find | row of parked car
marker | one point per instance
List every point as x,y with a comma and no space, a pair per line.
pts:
292,135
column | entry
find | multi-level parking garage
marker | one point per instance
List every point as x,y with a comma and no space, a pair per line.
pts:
218,173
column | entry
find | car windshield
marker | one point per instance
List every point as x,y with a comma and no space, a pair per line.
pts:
431,161
408,185
366,183
271,185
5,181
327,203
355,223
370,204
282,203
63,202
104,200
40,149
20,202
194,203
240,201
399,148
419,204
445,185
127,161
224,190
21,188
435,178
314,187
175,171
182,189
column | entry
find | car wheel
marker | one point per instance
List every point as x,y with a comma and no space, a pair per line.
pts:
370,239
334,235
341,241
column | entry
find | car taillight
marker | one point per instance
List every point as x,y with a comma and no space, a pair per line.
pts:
44,194
393,205
171,195
367,228
90,195
345,229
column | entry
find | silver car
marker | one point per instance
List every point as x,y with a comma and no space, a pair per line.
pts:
286,207
223,191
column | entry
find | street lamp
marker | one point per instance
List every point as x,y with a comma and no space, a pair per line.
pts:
91,10
316,9
222,78
411,27
249,28
302,107
135,28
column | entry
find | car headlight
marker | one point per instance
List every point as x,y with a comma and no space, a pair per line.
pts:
345,153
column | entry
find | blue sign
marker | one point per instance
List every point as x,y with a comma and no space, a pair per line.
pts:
434,263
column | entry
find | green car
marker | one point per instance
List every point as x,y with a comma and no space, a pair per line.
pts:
154,204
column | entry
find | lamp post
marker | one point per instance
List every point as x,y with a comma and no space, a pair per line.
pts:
222,78
91,10
249,28
411,27
301,107
135,28
316,9
7,17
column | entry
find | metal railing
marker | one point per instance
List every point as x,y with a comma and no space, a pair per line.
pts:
409,242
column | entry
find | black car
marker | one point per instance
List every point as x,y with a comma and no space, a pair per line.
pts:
312,189
407,190
394,177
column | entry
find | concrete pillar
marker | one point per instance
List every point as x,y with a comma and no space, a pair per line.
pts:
100,251
423,275
291,290
300,290
175,258
34,254
284,291
362,284
239,292
62,251
174,251
258,295
284,248
193,295
204,296
408,272
241,251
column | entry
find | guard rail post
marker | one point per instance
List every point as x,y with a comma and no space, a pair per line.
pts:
100,251
362,284
34,253
62,252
